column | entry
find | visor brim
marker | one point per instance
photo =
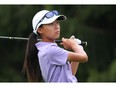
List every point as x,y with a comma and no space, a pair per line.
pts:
48,21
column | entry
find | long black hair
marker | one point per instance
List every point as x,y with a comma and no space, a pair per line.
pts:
31,63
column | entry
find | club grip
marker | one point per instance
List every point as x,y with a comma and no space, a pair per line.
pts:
83,43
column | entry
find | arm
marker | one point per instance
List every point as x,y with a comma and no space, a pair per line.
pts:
74,67
75,57
78,54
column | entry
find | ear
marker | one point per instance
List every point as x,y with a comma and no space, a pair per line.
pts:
39,31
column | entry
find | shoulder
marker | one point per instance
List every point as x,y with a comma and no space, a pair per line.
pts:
44,45
52,48
57,55
56,50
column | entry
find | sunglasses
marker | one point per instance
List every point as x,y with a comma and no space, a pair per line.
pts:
48,15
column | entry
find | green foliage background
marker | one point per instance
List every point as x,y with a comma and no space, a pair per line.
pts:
95,24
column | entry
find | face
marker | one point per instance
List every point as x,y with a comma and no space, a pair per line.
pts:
50,32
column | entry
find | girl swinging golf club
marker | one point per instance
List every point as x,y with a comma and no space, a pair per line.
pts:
45,60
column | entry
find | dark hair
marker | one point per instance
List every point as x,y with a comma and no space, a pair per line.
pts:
31,63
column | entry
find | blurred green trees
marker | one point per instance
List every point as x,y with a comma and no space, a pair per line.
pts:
92,23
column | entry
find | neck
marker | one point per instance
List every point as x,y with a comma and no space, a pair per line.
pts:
48,40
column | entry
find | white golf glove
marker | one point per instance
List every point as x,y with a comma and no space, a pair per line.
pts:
77,40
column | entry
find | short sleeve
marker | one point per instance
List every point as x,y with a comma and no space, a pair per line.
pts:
57,55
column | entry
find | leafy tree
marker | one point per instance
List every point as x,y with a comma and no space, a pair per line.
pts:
92,23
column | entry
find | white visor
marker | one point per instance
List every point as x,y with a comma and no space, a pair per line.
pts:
36,20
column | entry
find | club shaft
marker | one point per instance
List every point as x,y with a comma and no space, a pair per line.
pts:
22,38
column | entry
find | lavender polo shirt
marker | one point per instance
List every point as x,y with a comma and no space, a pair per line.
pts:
53,63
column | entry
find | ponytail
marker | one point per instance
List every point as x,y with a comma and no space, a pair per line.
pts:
31,63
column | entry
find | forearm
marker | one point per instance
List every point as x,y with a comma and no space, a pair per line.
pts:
78,54
74,67
81,55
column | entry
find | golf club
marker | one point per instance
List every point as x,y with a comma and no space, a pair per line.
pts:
22,38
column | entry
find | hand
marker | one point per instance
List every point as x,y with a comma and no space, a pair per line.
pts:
77,40
69,43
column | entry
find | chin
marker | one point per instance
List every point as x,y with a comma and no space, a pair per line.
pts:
57,37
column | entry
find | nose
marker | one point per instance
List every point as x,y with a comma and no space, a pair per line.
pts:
57,25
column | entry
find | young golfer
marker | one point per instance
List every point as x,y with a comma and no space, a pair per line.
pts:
45,60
